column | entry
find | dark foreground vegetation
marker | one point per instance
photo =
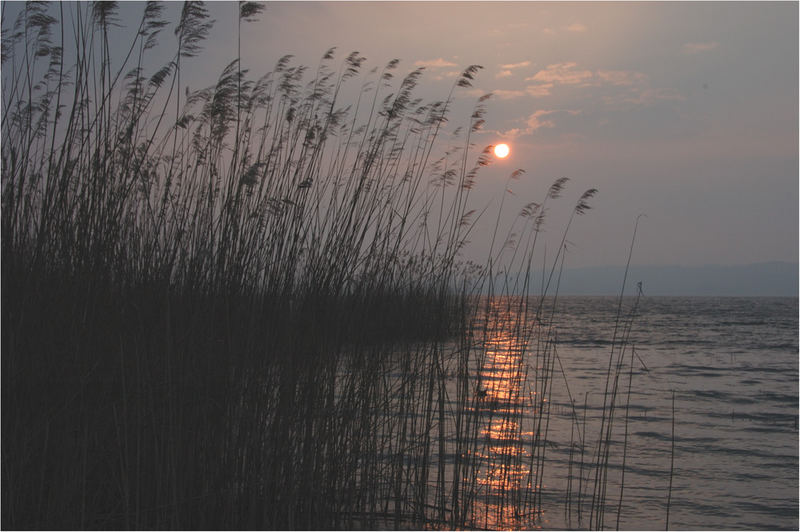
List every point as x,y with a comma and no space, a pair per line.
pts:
243,307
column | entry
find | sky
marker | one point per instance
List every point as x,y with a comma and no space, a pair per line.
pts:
684,112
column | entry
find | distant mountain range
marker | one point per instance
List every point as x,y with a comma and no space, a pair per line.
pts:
760,279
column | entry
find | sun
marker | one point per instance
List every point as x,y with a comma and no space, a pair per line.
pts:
502,151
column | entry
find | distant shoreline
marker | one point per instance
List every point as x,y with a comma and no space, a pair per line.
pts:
766,279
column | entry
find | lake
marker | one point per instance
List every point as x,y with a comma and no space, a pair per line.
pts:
732,364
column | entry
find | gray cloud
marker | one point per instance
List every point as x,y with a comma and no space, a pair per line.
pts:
691,48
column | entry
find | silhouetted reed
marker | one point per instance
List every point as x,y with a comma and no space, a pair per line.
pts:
244,306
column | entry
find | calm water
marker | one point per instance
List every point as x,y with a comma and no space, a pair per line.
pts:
732,364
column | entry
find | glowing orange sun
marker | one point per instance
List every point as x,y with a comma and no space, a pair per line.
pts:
502,151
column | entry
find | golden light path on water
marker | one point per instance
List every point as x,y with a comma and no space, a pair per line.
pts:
507,464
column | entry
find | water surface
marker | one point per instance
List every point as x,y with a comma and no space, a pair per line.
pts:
732,364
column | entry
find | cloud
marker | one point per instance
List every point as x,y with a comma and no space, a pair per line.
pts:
499,94
508,94
537,91
446,75
474,93
435,63
549,31
691,48
562,73
538,120
651,95
512,66
569,74
576,27
617,87
621,77
507,69
511,133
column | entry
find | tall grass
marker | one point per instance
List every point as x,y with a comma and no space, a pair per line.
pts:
244,306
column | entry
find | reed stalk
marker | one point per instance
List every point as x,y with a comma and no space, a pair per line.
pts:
246,305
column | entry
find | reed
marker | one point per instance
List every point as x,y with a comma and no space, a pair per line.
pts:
671,462
245,306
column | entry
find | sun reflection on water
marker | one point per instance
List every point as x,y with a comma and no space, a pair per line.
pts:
506,465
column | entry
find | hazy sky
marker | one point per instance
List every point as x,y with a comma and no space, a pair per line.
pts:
686,112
